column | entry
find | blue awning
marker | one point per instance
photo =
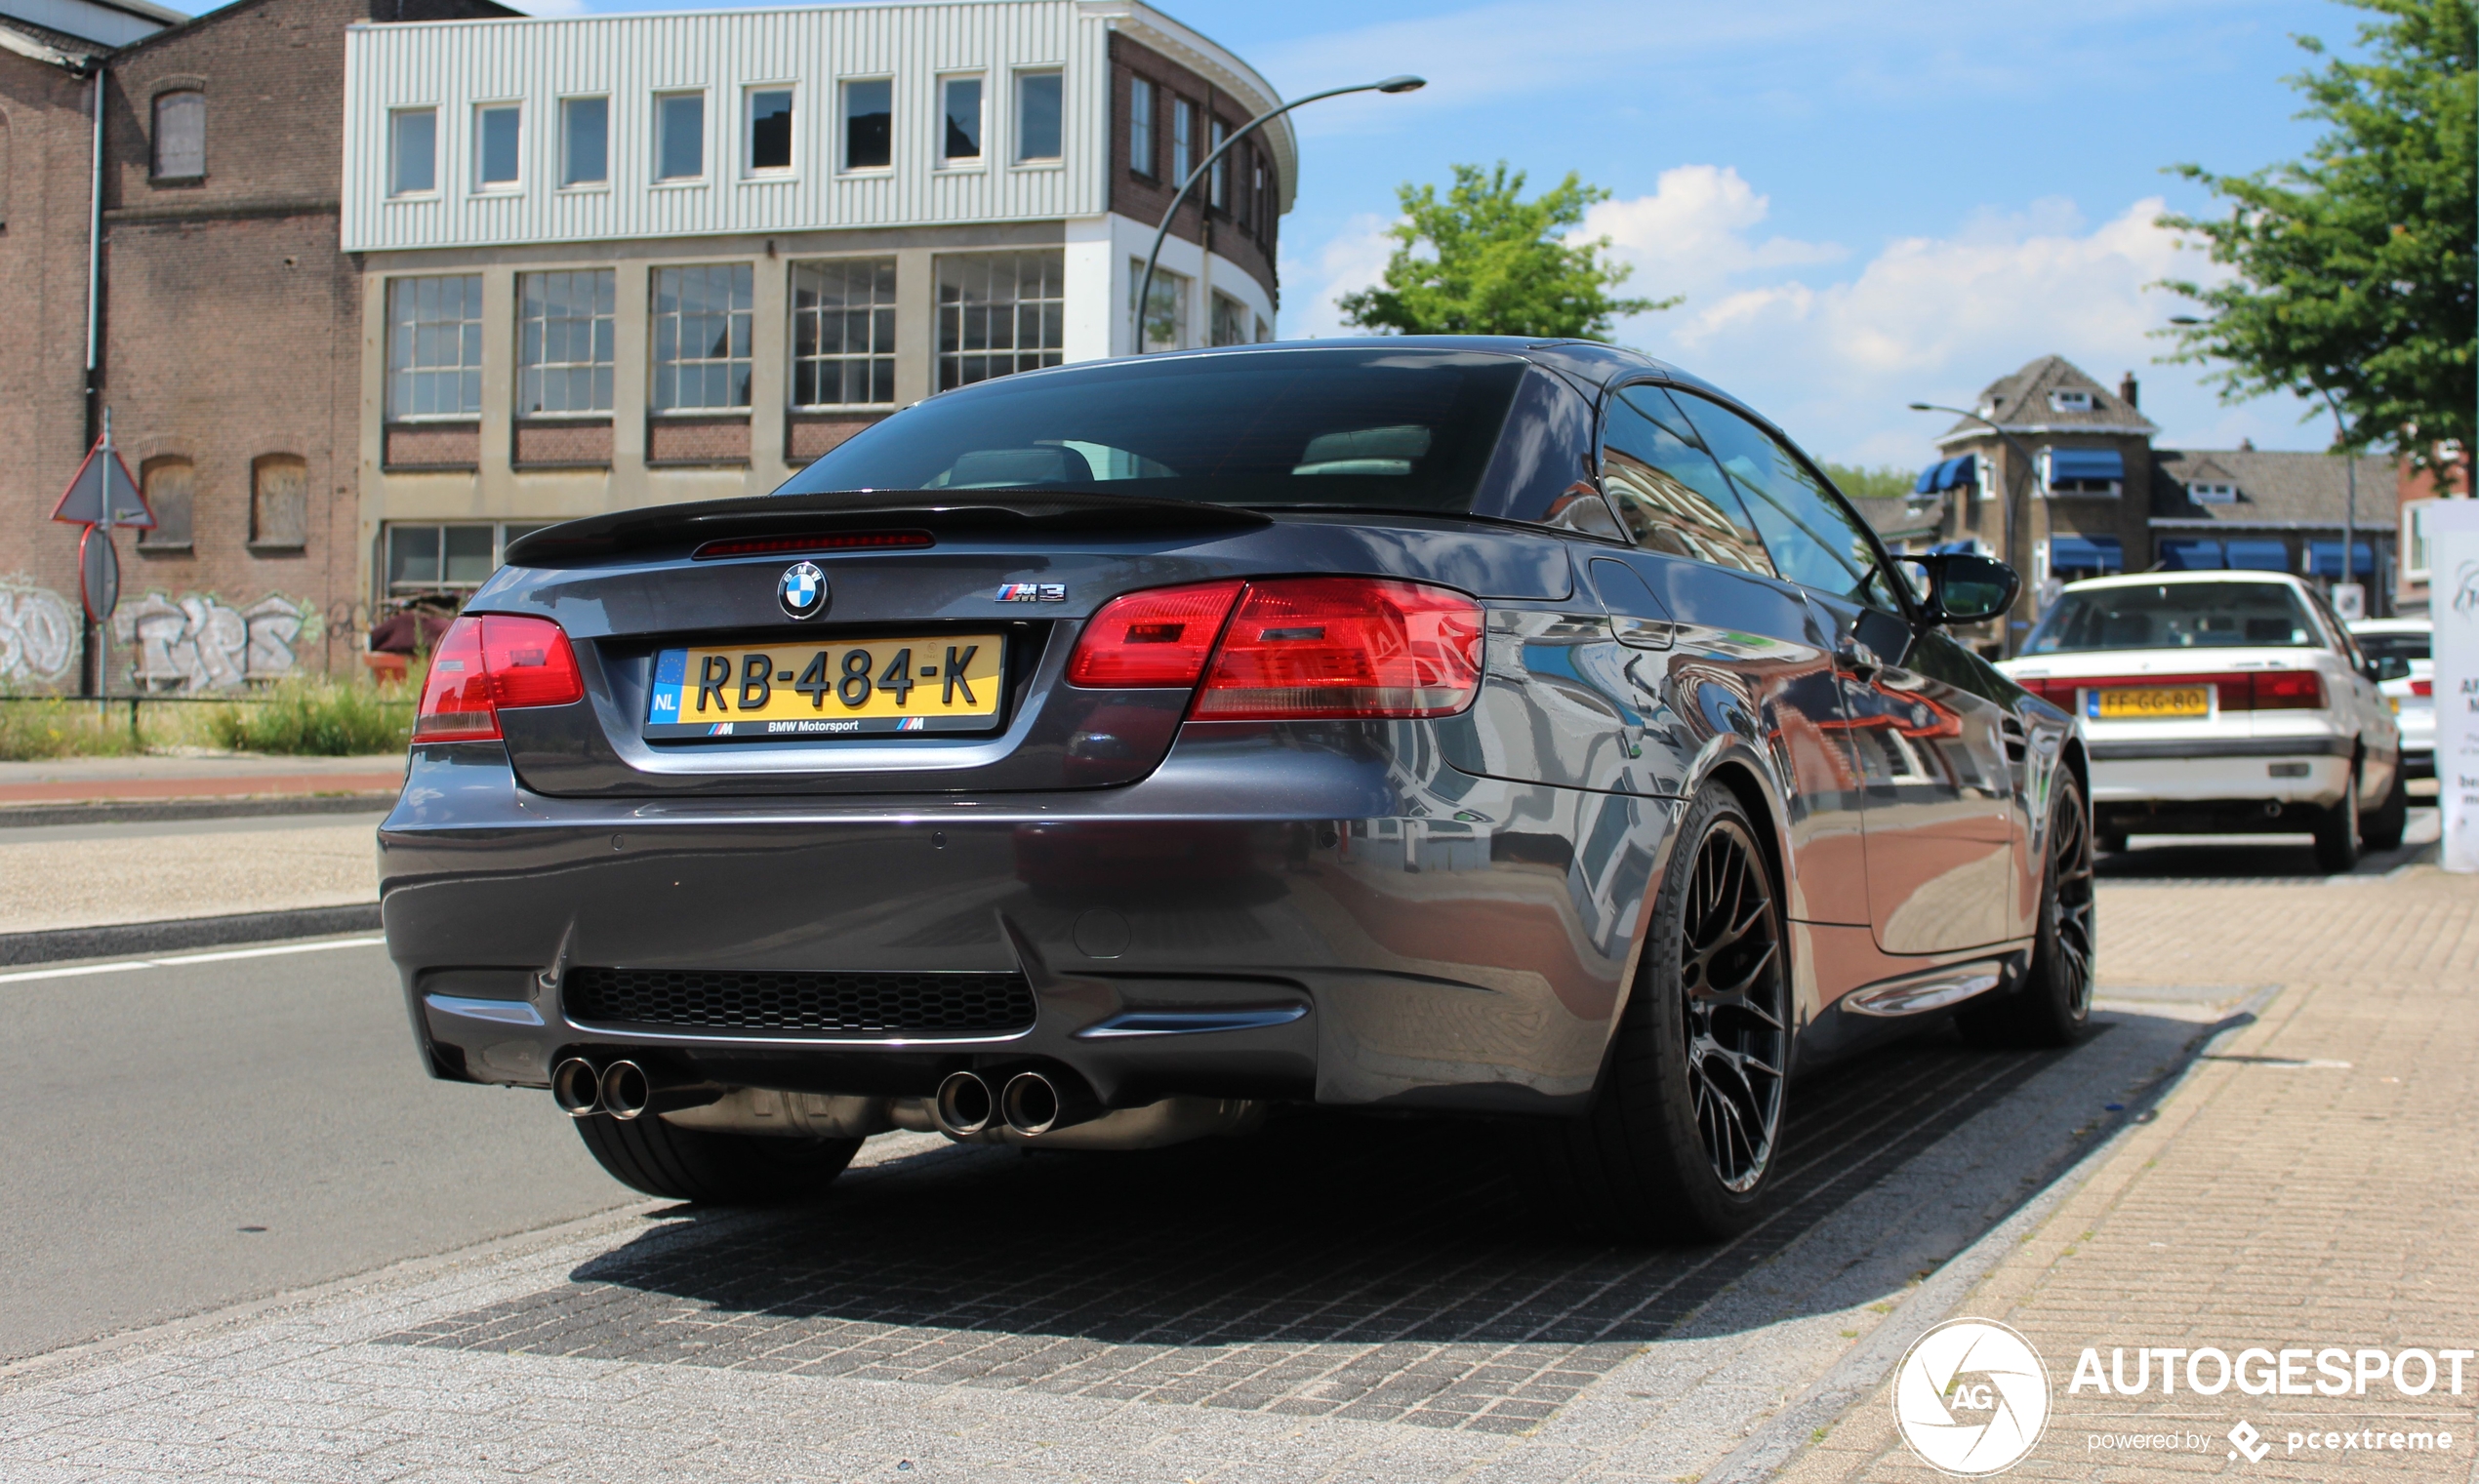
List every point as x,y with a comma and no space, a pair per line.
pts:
1963,547
2258,556
1946,474
2192,556
2105,465
2090,556
2324,558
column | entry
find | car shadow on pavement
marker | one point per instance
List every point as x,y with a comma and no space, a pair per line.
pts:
2254,857
1231,1271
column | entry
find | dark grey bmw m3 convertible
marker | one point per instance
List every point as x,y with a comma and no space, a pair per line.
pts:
1096,757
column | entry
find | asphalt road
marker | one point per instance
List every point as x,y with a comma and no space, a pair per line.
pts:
185,1137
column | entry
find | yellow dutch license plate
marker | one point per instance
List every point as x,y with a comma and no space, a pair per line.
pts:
2152,704
946,683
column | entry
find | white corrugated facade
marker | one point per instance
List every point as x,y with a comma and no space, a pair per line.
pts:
456,67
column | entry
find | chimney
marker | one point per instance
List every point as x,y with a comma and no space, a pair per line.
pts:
2126,389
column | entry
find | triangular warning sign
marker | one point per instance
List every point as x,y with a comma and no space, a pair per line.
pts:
83,504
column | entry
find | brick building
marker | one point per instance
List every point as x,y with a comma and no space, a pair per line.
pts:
2075,462
625,260
228,336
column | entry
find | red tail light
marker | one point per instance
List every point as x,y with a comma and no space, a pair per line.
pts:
2422,687
1298,648
488,661
2283,691
1356,647
1149,639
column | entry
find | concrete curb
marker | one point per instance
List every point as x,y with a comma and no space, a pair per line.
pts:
132,939
147,811
1779,1442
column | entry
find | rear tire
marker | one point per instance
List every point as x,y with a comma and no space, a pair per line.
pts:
1685,1126
2382,830
2052,1003
2336,833
681,1164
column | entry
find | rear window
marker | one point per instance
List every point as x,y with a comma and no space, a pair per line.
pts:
1358,429
2176,615
2391,653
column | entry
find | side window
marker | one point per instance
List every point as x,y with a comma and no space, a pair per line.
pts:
1816,541
1668,490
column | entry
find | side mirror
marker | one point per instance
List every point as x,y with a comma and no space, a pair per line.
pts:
1963,588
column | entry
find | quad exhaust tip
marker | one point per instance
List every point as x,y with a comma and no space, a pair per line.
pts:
1029,1103
577,1088
625,1090
964,1105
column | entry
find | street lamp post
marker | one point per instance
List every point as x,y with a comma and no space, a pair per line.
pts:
2014,507
1145,285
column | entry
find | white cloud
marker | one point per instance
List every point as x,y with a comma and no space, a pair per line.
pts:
1836,355
1691,235
1354,257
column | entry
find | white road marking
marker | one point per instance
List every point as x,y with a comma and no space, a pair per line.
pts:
189,958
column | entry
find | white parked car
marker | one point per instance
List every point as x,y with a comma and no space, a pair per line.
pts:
2222,702
2404,654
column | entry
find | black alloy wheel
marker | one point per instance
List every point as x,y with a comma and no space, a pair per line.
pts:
1729,972
1681,1138
2052,1003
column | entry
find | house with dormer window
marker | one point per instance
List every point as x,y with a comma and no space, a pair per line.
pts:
2068,485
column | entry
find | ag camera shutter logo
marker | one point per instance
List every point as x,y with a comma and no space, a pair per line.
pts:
1972,1397
802,591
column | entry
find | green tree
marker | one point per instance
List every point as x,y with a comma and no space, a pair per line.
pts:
1495,264
1887,481
2353,269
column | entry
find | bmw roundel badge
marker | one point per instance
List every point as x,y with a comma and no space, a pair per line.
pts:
802,591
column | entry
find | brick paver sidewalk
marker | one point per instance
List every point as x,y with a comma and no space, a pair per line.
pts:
2314,1183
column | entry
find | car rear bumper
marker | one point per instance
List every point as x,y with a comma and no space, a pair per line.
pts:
2285,770
1250,921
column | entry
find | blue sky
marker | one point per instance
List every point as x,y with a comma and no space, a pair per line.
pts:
1864,204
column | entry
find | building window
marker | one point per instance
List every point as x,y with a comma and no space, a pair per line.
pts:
1231,321
1183,140
1165,306
434,347
496,140
428,557
960,120
280,501
1260,211
2415,558
563,342
584,141
170,485
413,151
843,333
679,136
701,336
1140,126
999,314
1265,331
869,123
2212,494
1218,183
2070,401
180,136
769,129
1040,102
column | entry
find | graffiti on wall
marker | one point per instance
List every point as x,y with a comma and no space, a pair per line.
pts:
38,635
200,643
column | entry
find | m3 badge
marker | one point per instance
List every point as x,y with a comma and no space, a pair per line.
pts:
1034,592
